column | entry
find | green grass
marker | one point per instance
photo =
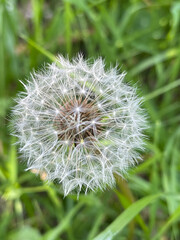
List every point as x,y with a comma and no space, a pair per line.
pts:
142,37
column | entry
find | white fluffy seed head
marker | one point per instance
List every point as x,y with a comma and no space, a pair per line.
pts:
79,124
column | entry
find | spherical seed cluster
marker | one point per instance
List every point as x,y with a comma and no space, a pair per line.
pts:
79,124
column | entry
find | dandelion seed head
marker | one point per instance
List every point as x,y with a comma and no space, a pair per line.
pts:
79,124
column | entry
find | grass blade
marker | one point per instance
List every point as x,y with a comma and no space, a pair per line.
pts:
39,48
154,60
55,232
162,90
120,222
174,217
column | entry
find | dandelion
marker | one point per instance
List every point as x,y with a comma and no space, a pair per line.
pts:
79,124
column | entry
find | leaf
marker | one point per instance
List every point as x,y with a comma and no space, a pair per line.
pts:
174,217
5,103
162,90
39,48
55,232
25,232
120,222
12,163
171,53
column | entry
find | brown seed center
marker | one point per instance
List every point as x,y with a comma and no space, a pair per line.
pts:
78,121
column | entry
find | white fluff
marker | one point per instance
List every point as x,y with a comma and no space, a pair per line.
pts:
84,165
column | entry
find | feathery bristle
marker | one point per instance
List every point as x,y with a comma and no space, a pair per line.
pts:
79,124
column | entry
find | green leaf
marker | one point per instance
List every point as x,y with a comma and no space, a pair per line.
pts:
55,232
174,217
120,222
12,163
2,65
25,232
39,48
171,53
4,223
4,105
162,90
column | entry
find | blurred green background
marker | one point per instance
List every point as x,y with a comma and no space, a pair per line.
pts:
143,38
